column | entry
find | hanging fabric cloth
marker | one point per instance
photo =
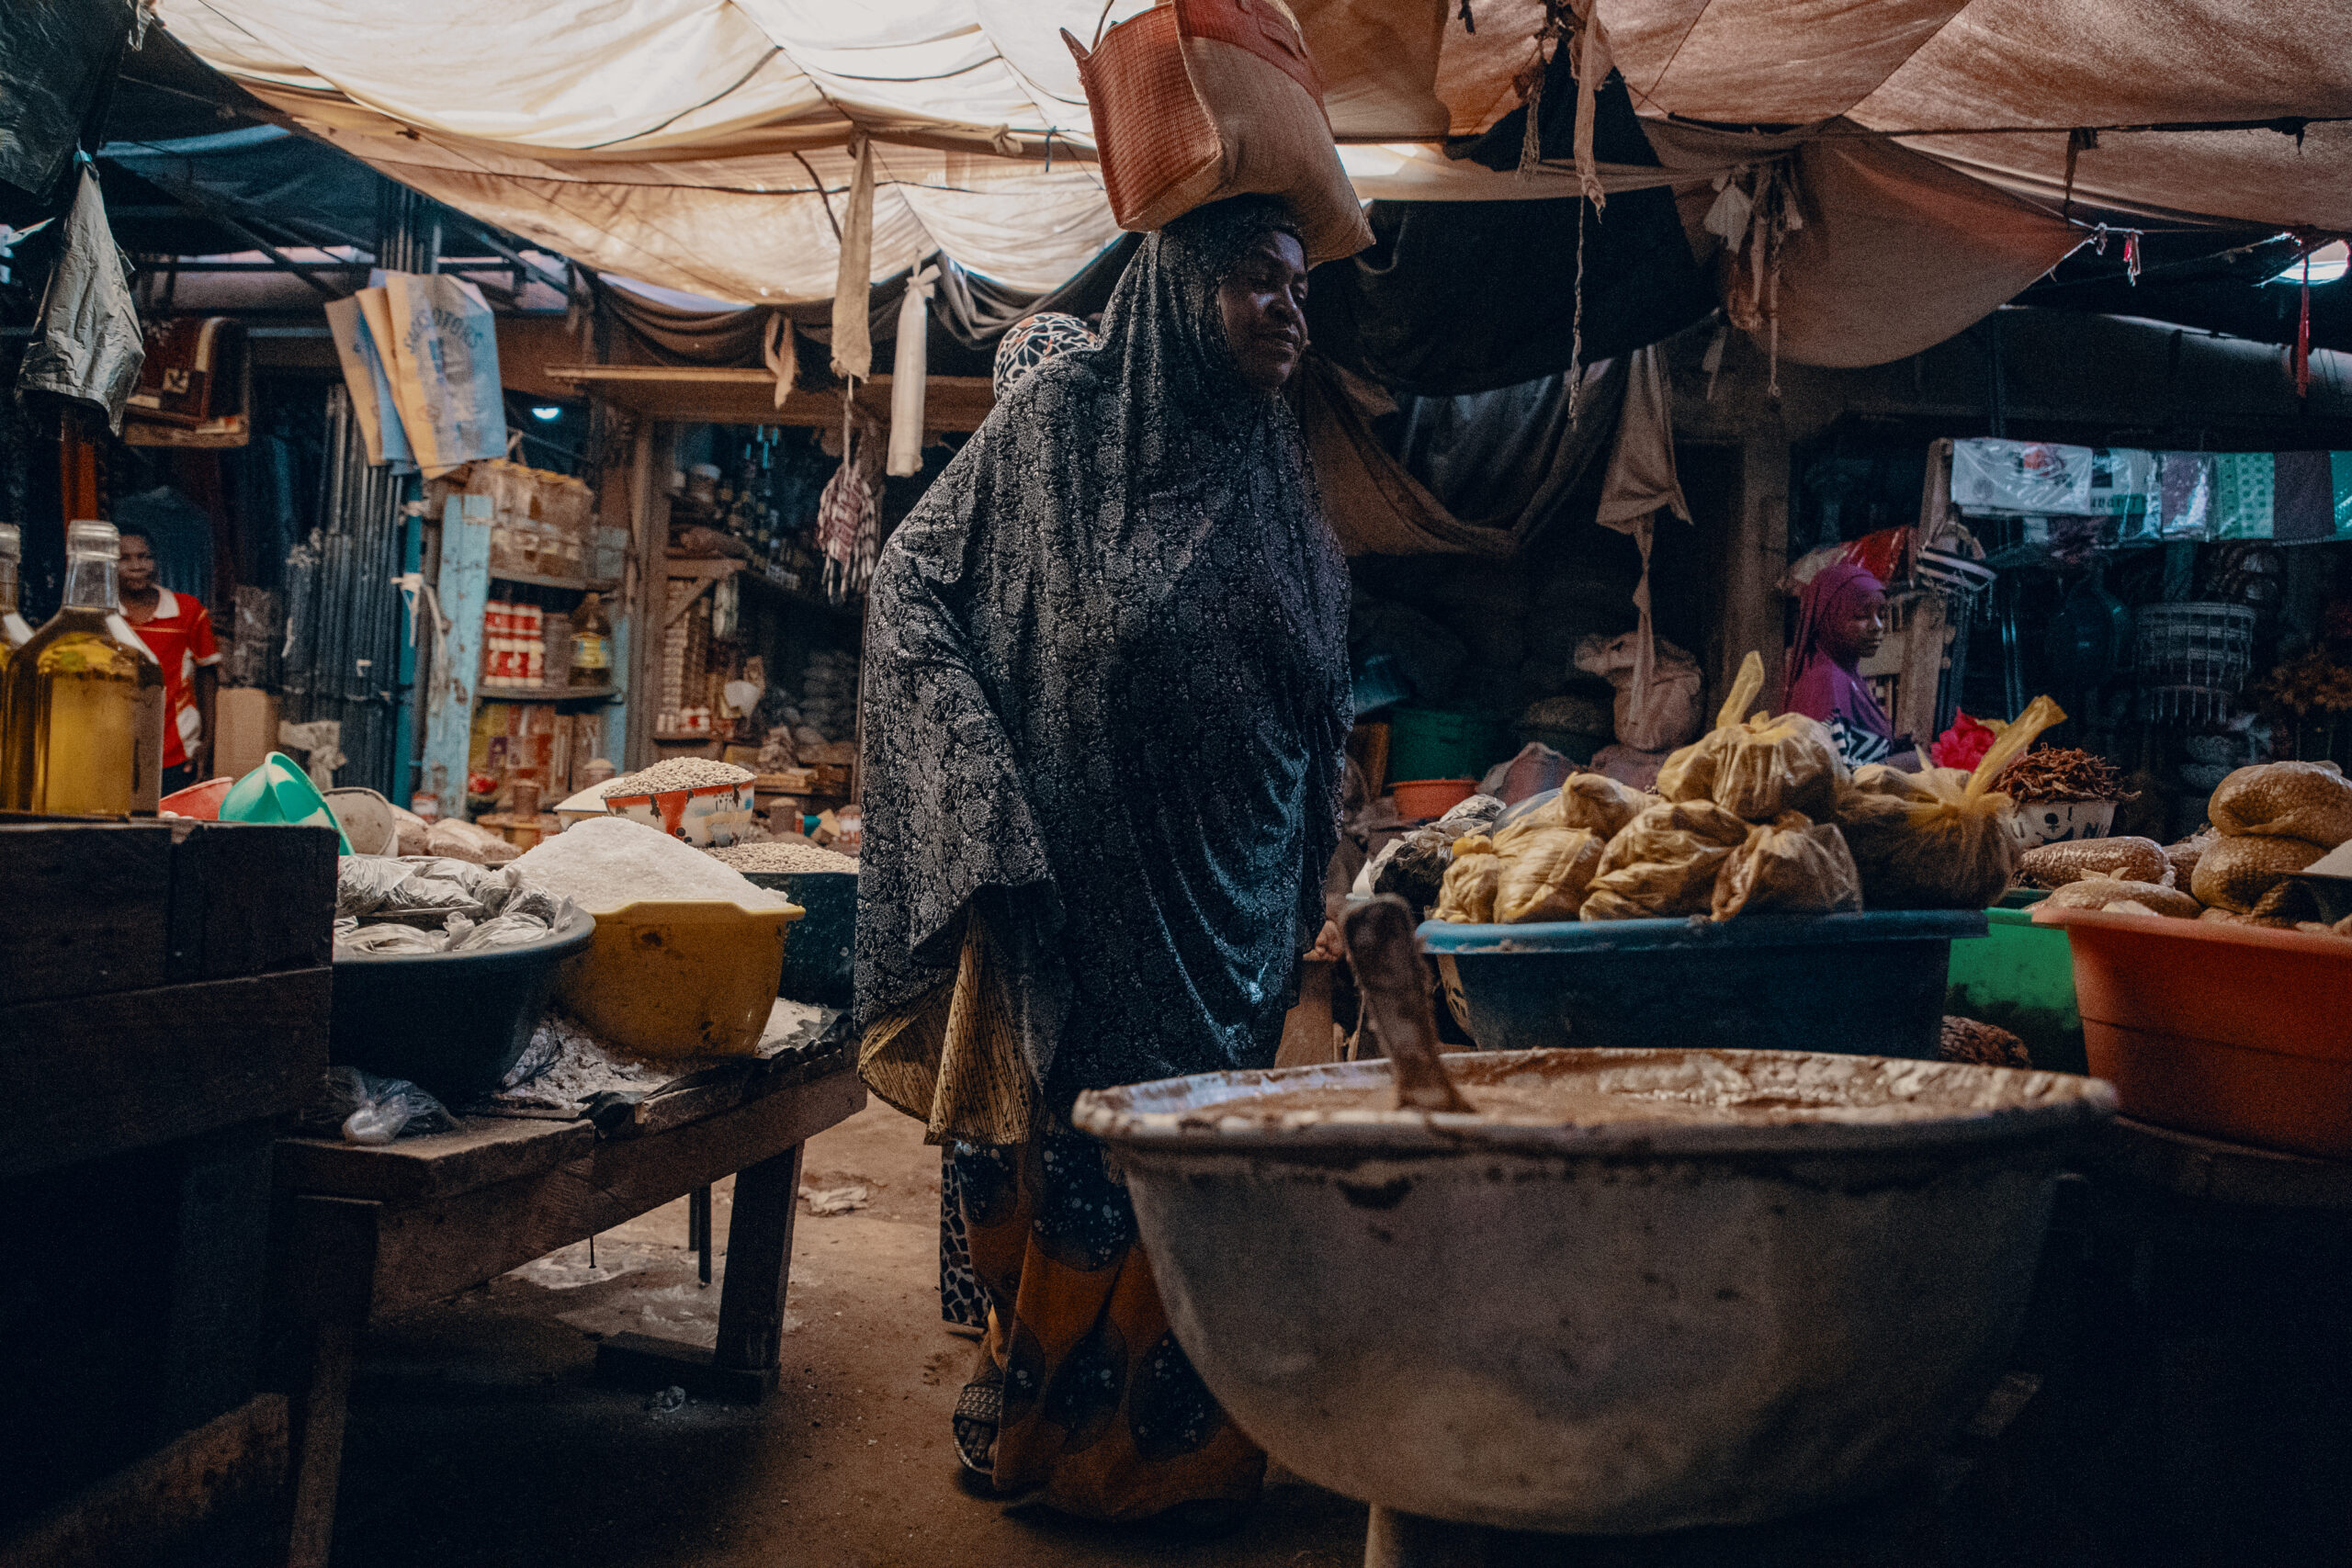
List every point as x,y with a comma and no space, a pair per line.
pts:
1640,482
910,368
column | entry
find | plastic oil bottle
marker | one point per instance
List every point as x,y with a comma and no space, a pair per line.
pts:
82,702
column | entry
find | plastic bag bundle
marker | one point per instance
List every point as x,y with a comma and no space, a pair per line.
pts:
1546,872
1413,866
1467,896
1665,863
1758,768
1583,800
366,1109
1942,838
383,888
1791,865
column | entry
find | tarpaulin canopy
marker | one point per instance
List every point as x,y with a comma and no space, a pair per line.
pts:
1895,168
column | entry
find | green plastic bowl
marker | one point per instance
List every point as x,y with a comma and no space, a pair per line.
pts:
280,791
2022,978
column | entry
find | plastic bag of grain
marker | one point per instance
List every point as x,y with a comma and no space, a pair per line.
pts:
1546,872
1758,768
1942,838
1467,894
1791,865
1665,863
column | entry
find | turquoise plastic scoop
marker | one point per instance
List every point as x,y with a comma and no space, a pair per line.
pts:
280,791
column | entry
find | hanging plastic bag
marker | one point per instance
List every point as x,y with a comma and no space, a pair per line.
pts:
1942,838
90,347
1791,865
1664,863
1545,873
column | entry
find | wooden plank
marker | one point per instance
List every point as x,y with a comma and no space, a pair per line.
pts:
250,899
483,1152
723,1089
87,907
143,1512
434,1250
94,1075
464,591
735,395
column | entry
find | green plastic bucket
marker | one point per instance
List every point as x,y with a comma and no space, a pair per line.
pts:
2022,978
1440,743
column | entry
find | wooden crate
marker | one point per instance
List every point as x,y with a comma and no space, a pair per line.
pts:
158,980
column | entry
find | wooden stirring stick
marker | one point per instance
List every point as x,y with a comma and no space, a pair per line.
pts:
1396,995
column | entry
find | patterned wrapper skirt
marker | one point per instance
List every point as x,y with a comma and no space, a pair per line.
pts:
1099,1411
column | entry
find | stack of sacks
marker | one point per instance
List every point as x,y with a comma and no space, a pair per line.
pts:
1738,823
2267,823
1744,824
2271,821
1538,865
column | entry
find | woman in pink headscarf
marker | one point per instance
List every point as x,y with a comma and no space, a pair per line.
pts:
1841,620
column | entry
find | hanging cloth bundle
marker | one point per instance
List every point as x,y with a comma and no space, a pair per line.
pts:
1755,211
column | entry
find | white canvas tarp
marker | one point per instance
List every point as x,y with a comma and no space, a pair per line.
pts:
704,144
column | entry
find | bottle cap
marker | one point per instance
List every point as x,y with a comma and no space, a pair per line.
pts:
87,538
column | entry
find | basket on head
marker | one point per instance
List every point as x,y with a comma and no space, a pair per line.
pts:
1197,100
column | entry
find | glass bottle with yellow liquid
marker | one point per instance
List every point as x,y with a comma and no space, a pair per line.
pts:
14,633
82,702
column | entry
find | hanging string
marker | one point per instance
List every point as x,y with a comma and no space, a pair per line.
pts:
1575,327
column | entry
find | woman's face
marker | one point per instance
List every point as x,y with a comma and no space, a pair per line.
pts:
1263,302
1859,628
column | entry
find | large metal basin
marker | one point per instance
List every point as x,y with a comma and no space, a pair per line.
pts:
1623,1327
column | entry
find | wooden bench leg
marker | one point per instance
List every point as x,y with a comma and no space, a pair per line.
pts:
318,1457
751,1304
759,1267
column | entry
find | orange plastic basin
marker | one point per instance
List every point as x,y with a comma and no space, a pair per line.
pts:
1417,798
2236,1032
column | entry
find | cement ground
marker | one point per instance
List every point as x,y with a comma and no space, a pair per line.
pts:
478,1437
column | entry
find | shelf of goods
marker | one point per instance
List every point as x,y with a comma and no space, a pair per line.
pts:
521,552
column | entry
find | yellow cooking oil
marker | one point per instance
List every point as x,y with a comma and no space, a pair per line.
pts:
82,702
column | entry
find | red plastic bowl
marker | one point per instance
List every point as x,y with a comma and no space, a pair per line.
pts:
199,800
1420,798
2238,1032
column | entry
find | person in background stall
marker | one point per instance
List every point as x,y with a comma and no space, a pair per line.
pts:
178,632
1841,620
1106,698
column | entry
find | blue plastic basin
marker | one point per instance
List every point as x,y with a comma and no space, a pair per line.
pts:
1868,985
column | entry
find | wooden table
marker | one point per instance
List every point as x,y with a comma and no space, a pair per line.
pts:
369,1230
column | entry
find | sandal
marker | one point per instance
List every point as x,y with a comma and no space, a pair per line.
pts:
980,1411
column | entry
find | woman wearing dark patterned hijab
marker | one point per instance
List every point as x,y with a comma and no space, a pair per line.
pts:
1106,703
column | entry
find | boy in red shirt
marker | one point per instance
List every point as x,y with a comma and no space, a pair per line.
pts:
178,632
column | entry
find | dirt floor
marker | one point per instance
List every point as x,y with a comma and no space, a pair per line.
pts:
477,1435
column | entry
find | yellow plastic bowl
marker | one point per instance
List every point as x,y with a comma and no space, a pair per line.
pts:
680,979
